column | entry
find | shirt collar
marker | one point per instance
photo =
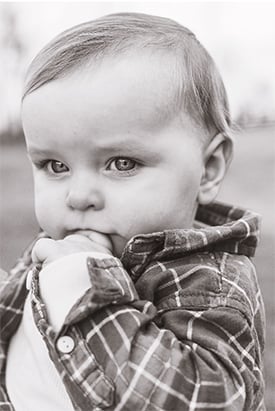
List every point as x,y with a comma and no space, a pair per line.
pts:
218,227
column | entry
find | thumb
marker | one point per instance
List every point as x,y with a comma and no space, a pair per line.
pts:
101,239
42,249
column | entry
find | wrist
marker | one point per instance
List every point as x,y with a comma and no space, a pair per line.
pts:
63,281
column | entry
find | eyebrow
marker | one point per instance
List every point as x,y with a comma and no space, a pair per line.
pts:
122,147
33,151
131,148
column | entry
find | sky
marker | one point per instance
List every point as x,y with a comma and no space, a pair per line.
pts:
239,35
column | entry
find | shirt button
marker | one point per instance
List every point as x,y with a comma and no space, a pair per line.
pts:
65,344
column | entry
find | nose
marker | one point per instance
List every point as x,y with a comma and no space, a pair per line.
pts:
84,193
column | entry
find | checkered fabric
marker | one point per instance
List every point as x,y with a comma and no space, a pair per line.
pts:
176,324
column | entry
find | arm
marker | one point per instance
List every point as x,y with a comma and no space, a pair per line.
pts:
61,275
179,353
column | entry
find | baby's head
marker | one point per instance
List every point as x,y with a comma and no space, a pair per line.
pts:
127,126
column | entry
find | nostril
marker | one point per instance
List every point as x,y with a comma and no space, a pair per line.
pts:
81,200
80,205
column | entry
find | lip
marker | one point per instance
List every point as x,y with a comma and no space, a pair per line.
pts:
84,231
77,231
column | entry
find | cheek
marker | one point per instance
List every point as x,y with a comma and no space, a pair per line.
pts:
48,208
167,202
43,210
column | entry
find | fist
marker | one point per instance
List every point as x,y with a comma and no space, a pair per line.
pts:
47,250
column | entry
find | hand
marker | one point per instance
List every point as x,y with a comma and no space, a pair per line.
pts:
47,250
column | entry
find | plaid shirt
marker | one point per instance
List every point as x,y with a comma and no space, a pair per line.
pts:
176,324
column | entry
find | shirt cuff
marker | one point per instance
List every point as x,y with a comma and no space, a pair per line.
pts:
111,285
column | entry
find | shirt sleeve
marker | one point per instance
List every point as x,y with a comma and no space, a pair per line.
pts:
190,344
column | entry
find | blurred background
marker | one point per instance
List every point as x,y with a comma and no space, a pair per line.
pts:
241,38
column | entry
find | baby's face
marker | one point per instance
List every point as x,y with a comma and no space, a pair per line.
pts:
105,155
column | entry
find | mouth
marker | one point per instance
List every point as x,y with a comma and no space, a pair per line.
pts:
118,241
83,231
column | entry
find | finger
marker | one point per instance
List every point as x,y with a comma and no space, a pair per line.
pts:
81,238
94,236
42,249
101,239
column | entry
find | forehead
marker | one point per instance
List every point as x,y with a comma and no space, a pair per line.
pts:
144,81
120,95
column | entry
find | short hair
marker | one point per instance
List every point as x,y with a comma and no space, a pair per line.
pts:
200,90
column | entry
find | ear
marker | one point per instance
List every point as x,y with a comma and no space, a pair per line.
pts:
217,158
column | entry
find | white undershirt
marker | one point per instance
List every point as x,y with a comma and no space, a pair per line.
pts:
32,380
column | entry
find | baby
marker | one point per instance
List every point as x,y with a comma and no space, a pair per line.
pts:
140,290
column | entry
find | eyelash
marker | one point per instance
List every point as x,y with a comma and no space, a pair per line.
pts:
44,165
131,171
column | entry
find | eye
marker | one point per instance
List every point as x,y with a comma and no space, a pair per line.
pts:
56,167
122,164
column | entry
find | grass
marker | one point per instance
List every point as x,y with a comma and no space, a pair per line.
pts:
250,183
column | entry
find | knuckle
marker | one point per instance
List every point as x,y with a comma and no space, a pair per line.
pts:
40,248
43,242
